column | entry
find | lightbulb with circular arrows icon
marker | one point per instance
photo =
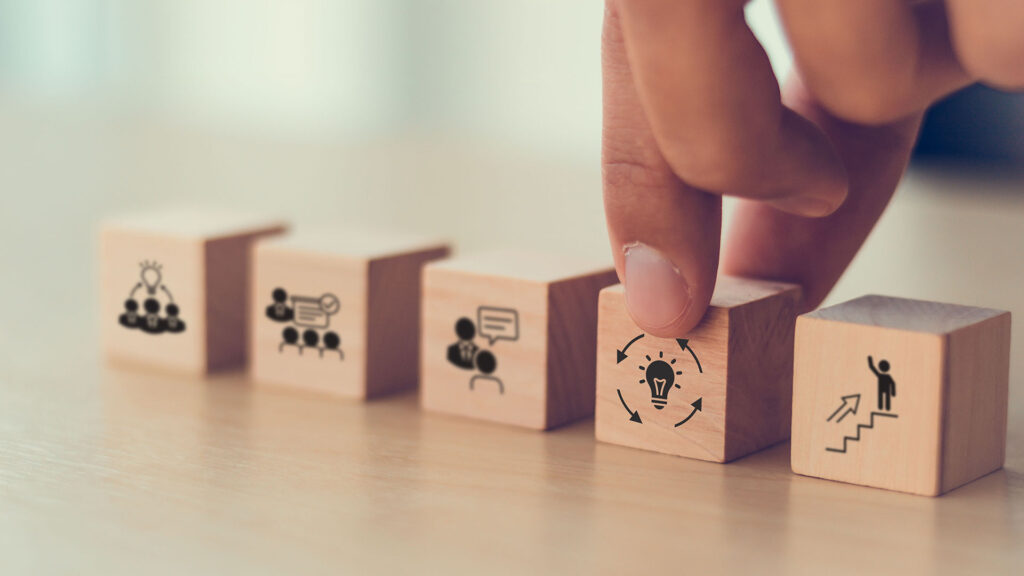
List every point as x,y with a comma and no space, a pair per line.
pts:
660,376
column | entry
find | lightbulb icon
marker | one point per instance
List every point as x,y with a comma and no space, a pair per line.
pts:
150,275
660,376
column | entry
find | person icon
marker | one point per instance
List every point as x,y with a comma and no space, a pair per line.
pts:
486,363
151,321
310,338
172,322
462,352
886,385
130,318
290,337
331,342
279,310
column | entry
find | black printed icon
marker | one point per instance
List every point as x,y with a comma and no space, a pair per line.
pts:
849,406
309,313
464,351
886,385
486,363
279,311
660,378
149,320
851,402
495,324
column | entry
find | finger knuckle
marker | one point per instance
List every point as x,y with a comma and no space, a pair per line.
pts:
717,164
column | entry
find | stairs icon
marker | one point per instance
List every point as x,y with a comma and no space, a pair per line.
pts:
856,437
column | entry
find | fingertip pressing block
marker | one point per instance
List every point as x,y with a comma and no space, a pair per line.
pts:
901,394
173,288
718,393
338,312
510,337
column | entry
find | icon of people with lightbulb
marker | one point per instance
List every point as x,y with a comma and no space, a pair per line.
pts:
150,321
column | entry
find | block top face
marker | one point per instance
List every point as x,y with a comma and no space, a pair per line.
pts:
542,267
732,292
905,314
193,224
352,243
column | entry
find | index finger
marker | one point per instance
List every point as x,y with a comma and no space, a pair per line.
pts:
715,110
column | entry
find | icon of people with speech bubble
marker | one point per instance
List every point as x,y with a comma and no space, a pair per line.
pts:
494,324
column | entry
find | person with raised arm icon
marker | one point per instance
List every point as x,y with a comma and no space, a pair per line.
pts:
886,385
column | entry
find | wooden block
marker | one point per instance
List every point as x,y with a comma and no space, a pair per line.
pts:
173,288
718,393
510,337
339,312
901,394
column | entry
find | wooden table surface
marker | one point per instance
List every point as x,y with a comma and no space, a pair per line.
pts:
107,470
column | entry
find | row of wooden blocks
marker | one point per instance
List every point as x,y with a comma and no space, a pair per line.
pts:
886,392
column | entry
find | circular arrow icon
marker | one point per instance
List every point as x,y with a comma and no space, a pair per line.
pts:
660,380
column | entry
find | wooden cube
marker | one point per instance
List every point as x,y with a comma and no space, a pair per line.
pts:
901,394
338,312
510,337
173,288
718,393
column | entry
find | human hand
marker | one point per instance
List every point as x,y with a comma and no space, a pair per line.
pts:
692,112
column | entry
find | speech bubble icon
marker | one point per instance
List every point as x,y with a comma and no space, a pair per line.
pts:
498,323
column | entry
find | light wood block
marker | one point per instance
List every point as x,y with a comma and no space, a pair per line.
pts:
901,394
718,393
338,312
173,288
510,337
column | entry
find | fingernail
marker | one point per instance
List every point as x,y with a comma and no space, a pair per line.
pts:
656,293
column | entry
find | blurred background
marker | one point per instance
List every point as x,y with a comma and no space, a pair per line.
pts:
477,120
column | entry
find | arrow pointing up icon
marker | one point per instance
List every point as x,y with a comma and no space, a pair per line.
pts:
849,406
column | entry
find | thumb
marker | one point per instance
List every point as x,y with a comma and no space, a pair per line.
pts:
665,235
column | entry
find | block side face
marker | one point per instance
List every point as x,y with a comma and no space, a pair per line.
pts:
174,275
572,337
842,428
759,399
393,321
493,365
227,280
322,295
624,395
976,401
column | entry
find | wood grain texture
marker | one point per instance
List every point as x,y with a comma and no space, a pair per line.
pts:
944,426
543,377
203,270
740,369
375,278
